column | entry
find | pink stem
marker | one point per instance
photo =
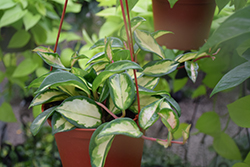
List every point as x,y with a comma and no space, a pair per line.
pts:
154,139
60,27
105,108
130,43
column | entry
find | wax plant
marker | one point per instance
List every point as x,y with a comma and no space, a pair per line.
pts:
113,94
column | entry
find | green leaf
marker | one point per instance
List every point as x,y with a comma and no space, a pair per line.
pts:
192,70
81,111
12,15
225,146
99,147
172,3
29,20
240,112
131,4
147,43
233,78
236,24
52,59
98,57
37,82
159,68
60,124
40,120
6,113
36,110
170,119
209,123
19,39
247,159
189,56
221,4
241,164
116,43
40,8
178,133
104,92
174,104
5,4
60,78
201,90
243,49
121,126
39,34
149,114
122,90
22,69
47,96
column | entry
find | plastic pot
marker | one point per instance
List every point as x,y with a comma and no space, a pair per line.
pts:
189,20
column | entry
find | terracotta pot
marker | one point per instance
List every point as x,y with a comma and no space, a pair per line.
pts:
189,20
73,147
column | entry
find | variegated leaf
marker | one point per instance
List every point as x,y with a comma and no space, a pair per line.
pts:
112,107
174,104
78,71
167,143
117,43
61,78
60,124
170,119
185,134
147,43
192,70
159,68
68,89
148,82
81,111
108,50
104,92
37,82
145,91
98,57
135,22
144,101
123,65
122,90
52,59
47,96
149,114
121,126
165,104
189,56
160,33
99,147
121,54
40,120
100,79
131,73
42,49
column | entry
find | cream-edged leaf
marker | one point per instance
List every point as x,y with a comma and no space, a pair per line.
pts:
185,134
192,70
61,78
121,126
48,96
60,124
123,65
52,59
40,120
166,143
159,68
148,82
99,147
81,111
170,119
122,90
189,56
147,43
149,114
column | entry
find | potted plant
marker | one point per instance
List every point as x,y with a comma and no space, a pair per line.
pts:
102,112
188,20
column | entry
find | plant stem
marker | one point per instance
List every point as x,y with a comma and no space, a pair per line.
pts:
130,43
60,27
105,108
154,139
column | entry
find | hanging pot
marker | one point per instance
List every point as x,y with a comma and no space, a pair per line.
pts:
73,147
189,20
